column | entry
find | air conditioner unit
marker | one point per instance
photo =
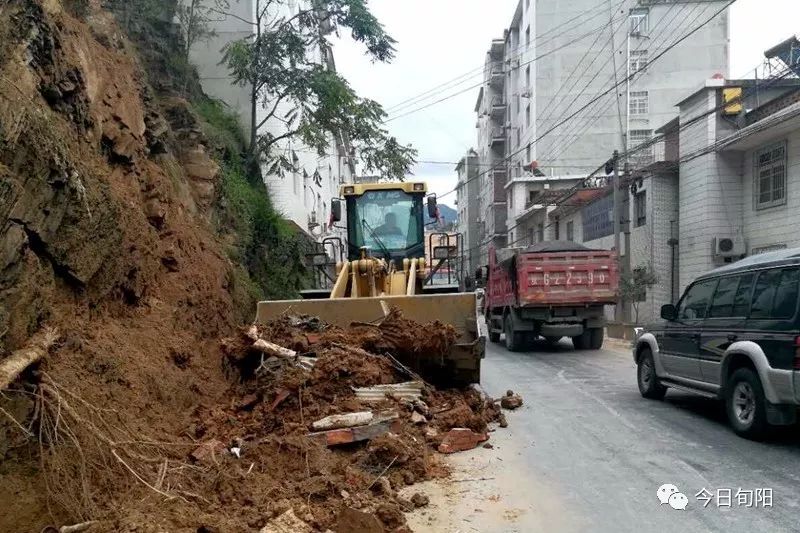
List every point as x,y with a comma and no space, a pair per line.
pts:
728,247
312,217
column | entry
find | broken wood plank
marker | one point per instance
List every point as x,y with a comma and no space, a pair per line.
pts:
377,428
15,364
346,420
273,349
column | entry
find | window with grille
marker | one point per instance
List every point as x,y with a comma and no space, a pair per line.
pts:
638,60
640,155
597,219
639,21
640,208
770,176
639,103
571,230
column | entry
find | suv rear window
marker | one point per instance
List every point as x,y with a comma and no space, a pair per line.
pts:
775,294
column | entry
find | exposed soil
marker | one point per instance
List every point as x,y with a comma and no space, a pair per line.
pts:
106,202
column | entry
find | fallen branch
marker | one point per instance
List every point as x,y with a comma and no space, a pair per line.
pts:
83,526
20,360
273,349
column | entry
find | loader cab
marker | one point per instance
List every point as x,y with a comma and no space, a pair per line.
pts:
388,219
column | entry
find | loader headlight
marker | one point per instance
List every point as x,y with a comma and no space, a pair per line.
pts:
349,190
419,187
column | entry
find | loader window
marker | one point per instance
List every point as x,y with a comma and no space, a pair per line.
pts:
386,219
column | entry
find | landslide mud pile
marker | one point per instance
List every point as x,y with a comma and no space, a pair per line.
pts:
318,474
136,418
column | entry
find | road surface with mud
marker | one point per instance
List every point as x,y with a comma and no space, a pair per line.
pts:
587,453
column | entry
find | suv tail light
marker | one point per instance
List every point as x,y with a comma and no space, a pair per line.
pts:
796,362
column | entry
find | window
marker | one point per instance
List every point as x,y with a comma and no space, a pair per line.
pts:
556,230
640,21
528,36
722,305
639,103
518,137
770,176
528,79
571,230
528,154
695,301
640,208
764,294
786,296
636,138
540,233
638,60
741,304
385,220
516,104
528,116
597,219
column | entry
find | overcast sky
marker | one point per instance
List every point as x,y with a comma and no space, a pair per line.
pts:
439,40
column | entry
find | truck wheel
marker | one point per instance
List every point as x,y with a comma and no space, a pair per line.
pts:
552,341
746,405
646,378
494,336
596,338
514,340
582,341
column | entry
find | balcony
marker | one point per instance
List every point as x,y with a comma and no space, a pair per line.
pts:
498,111
664,152
497,137
497,76
498,48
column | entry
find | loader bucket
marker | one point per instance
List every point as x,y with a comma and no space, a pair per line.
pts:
458,368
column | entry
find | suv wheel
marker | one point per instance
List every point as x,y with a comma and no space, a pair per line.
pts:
746,405
649,385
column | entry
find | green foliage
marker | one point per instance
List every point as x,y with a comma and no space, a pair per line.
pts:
264,243
633,287
221,126
277,62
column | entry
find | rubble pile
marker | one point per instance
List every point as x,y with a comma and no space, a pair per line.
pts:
334,428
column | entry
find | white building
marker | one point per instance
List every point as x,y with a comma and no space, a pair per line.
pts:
467,202
302,196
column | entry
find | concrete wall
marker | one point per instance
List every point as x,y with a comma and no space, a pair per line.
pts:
207,56
297,195
565,80
776,225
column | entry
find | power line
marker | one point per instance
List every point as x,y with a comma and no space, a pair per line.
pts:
574,132
426,106
482,69
699,153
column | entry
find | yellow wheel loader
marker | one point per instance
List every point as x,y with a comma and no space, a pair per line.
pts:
384,266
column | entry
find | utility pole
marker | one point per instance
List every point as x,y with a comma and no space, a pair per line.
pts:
626,229
618,315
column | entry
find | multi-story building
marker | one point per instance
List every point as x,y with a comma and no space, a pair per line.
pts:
303,195
491,109
578,80
467,192
581,53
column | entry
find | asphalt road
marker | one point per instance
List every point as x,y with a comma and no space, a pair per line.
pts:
587,453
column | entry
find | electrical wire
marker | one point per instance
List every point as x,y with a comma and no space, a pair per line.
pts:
481,70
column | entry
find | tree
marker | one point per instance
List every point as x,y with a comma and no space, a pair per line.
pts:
634,286
194,18
277,63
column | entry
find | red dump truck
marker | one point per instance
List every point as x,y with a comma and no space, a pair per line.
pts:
553,290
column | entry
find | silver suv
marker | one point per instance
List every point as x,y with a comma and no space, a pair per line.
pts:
734,336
